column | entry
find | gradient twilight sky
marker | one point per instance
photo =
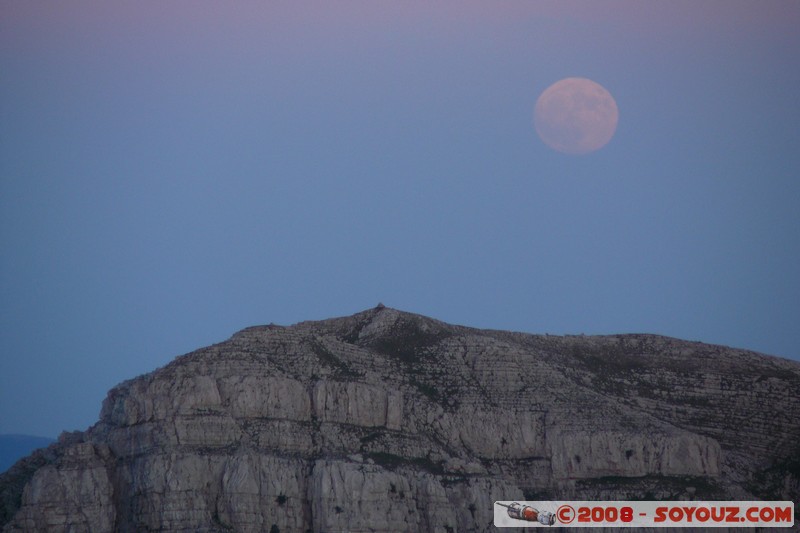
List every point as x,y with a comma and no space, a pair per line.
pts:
172,172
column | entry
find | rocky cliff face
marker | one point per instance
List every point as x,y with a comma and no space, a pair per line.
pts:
388,421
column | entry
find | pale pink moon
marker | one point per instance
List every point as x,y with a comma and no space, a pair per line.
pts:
575,116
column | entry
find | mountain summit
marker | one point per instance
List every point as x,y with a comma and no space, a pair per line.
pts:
390,421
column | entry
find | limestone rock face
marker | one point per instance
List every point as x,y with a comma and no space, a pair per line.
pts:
387,421
76,493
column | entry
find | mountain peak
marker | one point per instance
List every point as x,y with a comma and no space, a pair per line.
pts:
309,426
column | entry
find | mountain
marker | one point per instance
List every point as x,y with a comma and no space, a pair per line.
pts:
390,421
15,447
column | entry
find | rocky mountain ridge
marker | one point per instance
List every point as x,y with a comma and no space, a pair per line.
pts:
389,421
14,447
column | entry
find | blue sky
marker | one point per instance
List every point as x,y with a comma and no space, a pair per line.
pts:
173,172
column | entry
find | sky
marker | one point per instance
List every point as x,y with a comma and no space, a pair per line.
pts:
172,172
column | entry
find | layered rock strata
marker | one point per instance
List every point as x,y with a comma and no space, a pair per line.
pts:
388,421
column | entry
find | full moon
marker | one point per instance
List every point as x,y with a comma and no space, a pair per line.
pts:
576,116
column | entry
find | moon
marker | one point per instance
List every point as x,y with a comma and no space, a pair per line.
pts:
576,116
